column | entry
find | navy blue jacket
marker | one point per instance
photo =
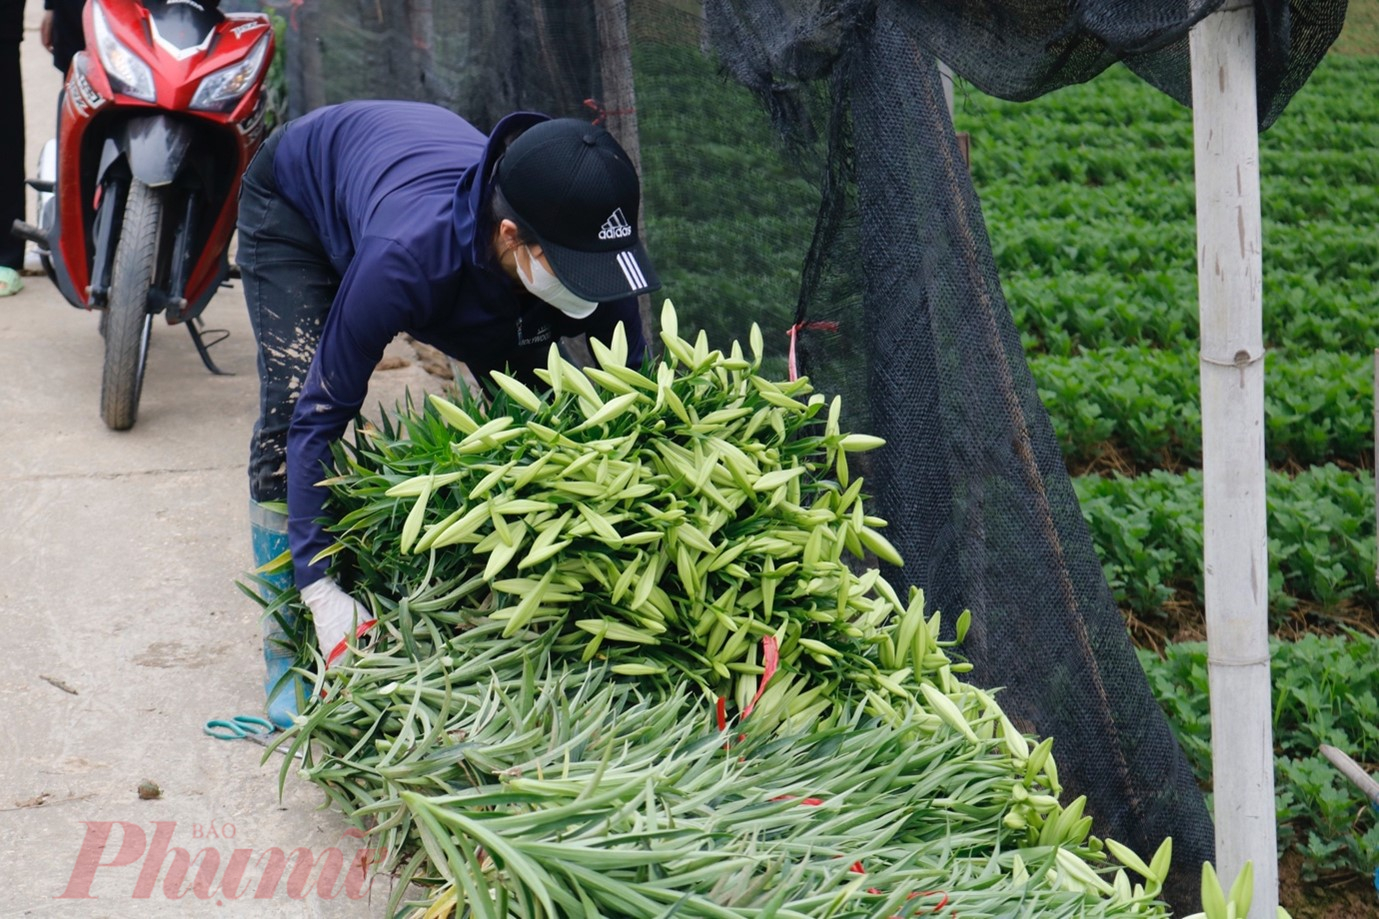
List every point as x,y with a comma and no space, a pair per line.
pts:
398,193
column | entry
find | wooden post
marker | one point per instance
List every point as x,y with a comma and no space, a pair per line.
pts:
1229,268
964,140
620,102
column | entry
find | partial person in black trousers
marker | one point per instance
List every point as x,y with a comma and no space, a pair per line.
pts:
61,31
62,34
12,150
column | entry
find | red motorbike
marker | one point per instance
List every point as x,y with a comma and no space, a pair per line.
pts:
158,119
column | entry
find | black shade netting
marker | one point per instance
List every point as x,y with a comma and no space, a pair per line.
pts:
902,312
842,208
483,58
972,479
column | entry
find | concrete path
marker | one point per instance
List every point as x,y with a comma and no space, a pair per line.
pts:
123,629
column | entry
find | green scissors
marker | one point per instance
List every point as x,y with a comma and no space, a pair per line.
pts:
240,727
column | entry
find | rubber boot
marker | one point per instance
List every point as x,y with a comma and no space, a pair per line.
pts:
268,531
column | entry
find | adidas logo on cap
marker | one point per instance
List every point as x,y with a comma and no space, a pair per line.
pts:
615,227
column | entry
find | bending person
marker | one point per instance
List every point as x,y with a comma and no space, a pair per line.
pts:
366,219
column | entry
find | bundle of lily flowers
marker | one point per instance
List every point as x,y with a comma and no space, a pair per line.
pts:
633,659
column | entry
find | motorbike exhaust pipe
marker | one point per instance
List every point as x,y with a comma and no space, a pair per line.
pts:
28,231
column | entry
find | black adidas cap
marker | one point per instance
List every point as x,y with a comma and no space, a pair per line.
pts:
576,189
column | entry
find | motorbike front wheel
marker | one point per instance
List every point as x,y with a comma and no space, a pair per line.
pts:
128,322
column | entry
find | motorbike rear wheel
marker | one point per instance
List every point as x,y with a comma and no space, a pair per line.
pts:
128,323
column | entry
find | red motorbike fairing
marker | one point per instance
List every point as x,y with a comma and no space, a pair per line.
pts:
94,119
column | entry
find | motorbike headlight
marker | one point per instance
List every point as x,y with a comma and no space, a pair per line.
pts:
221,91
127,72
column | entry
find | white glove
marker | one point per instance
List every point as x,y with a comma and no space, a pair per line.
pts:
338,618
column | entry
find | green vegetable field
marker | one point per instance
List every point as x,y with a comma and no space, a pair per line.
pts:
1088,195
1089,199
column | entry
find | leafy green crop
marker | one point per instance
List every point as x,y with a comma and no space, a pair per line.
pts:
1148,532
1065,314
1089,199
1326,690
1144,404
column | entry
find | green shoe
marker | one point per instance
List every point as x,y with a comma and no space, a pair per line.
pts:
284,690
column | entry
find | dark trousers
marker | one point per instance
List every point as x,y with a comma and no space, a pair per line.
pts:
67,35
12,191
289,285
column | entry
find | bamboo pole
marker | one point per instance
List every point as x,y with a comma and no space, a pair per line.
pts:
1353,771
946,74
964,141
1226,142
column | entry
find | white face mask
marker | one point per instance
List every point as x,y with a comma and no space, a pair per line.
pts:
548,287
